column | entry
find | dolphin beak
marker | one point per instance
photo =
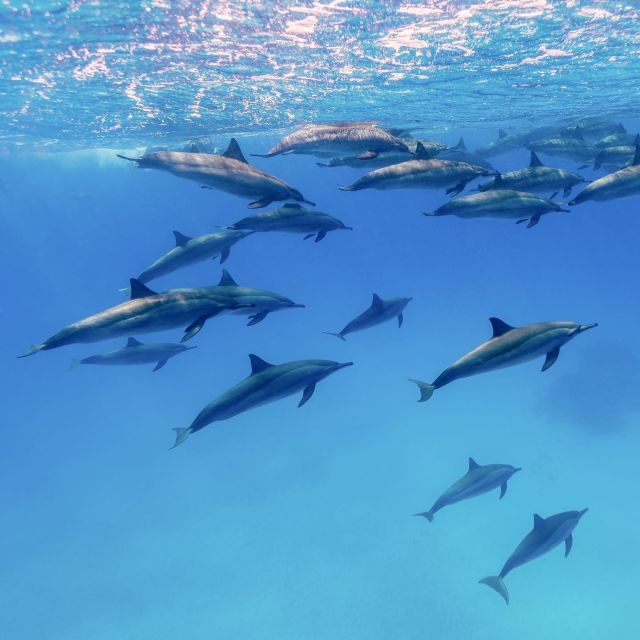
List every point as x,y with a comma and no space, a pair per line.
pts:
348,228
584,327
343,365
189,348
516,469
295,305
583,512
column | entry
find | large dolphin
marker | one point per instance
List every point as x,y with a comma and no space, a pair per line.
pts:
573,147
267,383
228,172
460,153
416,174
536,178
547,533
620,184
292,218
364,138
379,311
145,312
135,352
499,203
508,346
479,479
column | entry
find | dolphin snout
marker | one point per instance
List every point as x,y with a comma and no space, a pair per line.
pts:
584,327
516,469
583,512
342,365
297,305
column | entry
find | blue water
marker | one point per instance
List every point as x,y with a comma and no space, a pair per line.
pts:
297,523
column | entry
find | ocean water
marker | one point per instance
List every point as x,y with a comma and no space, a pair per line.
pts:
297,523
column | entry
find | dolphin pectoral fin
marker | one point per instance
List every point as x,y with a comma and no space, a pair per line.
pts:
456,189
182,434
320,236
400,320
258,204
426,389
568,543
533,222
258,317
503,490
554,195
194,328
522,220
497,584
224,255
309,235
161,364
306,394
552,356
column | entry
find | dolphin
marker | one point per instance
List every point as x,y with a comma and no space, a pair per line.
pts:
595,127
460,153
620,184
229,172
573,147
416,174
618,156
616,140
508,346
536,178
479,479
424,149
364,138
511,141
192,250
547,533
257,303
380,311
292,218
146,311
267,383
499,203
135,352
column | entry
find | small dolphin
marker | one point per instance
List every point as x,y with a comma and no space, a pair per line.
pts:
508,346
547,533
364,138
292,218
134,352
623,183
479,479
380,311
499,203
460,153
145,312
510,141
573,147
228,172
267,383
536,178
595,127
616,140
416,174
618,156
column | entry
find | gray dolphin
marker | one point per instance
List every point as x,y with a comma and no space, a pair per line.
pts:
267,383
573,147
479,479
616,139
416,174
364,138
380,311
595,127
547,533
145,312
256,303
618,155
292,218
499,203
623,183
460,153
508,346
229,172
536,178
424,149
510,141
135,352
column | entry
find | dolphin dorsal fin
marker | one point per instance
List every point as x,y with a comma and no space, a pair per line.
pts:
258,364
181,239
461,145
139,290
621,128
577,133
226,280
377,301
292,205
497,180
501,134
132,342
473,464
421,151
535,161
538,520
233,151
500,327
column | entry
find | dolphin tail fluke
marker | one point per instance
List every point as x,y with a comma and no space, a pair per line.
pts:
182,433
34,348
425,514
497,584
337,335
426,389
73,364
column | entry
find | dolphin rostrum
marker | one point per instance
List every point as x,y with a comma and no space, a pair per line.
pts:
135,352
508,346
292,218
379,311
547,533
267,383
479,479
228,172
146,311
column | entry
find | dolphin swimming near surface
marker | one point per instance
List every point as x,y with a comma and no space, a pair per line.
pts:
499,203
292,218
479,479
511,141
460,153
618,156
508,346
573,147
267,383
229,172
135,352
424,149
379,311
547,533
146,311
617,140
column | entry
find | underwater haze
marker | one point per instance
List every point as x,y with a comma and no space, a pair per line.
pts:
297,523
